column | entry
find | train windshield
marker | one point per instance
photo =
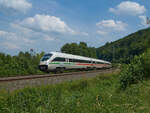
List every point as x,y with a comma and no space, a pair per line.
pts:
46,57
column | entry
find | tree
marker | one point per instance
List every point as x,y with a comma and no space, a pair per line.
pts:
79,49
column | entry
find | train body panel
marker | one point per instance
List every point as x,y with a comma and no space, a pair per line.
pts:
56,60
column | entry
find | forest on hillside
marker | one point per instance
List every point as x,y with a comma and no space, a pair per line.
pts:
121,51
125,49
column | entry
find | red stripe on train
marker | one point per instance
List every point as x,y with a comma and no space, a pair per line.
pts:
85,64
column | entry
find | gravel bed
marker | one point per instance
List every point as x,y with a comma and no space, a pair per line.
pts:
14,85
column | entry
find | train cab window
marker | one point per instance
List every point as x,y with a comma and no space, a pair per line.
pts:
59,59
46,57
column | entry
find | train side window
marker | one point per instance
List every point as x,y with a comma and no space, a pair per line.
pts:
67,60
100,63
70,60
87,61
82,61
94,62
79,61
76,60
59,59
73,60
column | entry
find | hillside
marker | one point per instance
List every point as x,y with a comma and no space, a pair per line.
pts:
124,49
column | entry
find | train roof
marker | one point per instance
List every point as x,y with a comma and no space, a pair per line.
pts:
66,55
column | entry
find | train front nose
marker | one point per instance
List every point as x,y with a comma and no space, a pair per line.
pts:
43,66
44,62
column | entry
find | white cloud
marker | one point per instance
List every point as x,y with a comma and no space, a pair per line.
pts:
48,38
26,40
10,45
84,33
8,35
143,20
112,25
2,33
101,32
23,31
46,23
129,8
34,30
13,40
19,5
30,34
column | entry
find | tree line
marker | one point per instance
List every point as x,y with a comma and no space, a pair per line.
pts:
79,49
25,63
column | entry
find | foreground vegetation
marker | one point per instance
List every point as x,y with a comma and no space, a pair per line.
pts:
137,71
25,63
96,95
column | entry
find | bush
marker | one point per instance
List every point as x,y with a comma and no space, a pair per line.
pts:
25,63
136,71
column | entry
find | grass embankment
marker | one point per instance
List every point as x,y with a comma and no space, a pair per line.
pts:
94,95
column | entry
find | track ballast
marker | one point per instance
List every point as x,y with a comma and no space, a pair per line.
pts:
18,78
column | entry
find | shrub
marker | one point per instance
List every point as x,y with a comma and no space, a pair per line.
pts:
136,71
25,63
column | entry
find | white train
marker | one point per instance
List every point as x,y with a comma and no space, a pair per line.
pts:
56,61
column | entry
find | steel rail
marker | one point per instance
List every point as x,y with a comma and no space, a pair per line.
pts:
9,79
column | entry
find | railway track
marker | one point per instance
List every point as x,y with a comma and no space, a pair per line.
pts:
31,77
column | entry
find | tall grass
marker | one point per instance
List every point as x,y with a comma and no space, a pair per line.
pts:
96,95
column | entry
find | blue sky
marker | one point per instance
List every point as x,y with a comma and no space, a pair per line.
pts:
46,25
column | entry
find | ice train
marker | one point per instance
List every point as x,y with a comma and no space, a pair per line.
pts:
57,61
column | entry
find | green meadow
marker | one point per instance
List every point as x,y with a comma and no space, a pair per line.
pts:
101,94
